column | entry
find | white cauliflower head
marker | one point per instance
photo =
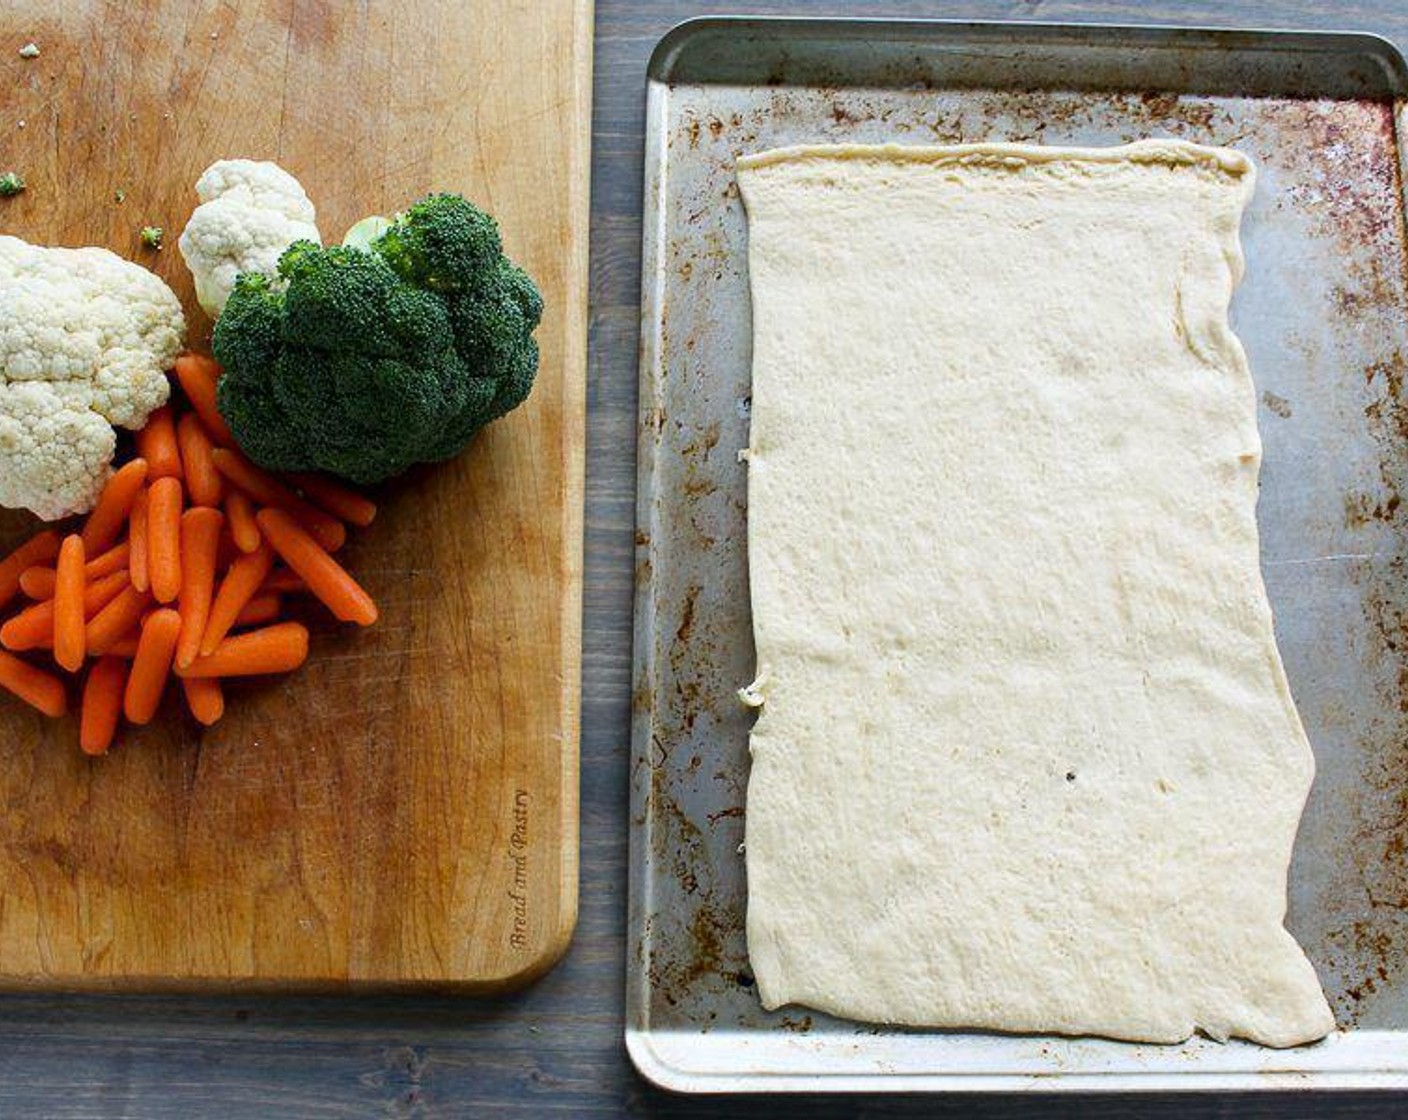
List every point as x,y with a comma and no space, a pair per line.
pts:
249,213
86,338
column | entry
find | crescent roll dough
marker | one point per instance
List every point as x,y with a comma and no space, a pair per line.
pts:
1026,758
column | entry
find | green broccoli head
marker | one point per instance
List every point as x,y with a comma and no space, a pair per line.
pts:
364,362
442,243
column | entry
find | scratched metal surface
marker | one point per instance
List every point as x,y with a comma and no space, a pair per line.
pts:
1323,313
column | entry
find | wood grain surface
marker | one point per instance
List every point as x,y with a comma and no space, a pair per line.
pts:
555,1049
404,809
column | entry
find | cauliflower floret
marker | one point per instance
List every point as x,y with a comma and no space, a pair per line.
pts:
250,212
86,339
55,451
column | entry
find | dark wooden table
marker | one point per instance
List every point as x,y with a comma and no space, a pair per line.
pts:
556,1049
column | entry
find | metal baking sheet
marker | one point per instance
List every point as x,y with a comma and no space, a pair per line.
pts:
1323,313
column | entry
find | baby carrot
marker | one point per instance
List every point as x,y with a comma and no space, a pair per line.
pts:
205,698
164,539
33,627
137,540
34,686
39,549
240,512
200,542
280,648
104,524
337,499
152,665
38,582
326,578
284,580
113,560
68,605
202,479
116,619
156,443
238,587
125,648
102,704
198,376
103,591
259,610
268,491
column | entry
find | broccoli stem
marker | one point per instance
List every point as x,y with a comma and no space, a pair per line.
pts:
363,233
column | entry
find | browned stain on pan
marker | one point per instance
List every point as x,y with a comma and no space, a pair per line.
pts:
1277,404
710,927
1370,950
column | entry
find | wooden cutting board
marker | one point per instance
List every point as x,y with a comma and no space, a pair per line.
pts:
403,810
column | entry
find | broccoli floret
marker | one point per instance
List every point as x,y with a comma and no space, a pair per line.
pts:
11,183
443,243
365,361
338,295
493,318
152,237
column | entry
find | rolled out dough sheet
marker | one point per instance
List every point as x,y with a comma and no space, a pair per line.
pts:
1026,758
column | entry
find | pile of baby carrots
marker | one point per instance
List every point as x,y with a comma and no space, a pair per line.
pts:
181,568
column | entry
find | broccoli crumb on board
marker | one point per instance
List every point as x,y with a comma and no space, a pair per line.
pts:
152,237
29,50
119,195
11,184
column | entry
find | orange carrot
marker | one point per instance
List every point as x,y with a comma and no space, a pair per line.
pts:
103,591
137,540
38,582
102,704
104,524
329,532
200,542
39,549
34,686
152,665
33,627
337,499
202,479
164,539
240,512
115,620
225,550
198,376
113,560
255,653
259,610
125,647
326,578
156,443
284,580
205,698
69,646
238,587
